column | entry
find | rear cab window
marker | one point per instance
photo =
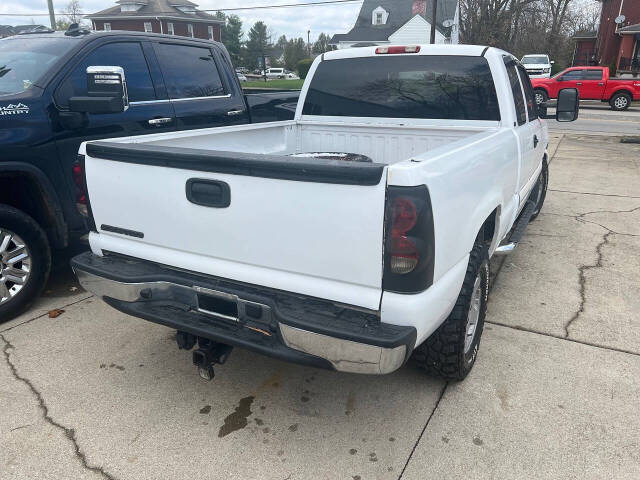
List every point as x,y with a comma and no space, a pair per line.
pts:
416,86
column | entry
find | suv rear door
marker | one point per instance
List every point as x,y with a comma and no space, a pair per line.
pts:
200,86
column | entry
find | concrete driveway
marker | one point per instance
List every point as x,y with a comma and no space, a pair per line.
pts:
95,394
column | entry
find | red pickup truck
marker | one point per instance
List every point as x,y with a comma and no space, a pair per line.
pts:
593,83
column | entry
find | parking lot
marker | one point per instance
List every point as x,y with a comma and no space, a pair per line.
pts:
93,393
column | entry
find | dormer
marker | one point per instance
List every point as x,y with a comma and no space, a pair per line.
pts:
188,9
379,16
131,5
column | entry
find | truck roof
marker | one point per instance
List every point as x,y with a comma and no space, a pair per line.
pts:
438,49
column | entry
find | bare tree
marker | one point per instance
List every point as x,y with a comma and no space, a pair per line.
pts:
73,11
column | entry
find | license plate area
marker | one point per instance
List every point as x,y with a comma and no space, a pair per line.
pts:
217,304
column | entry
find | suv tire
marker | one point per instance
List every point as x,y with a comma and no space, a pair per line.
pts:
620,101
540,96
450,352
18,230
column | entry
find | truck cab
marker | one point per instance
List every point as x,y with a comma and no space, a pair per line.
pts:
173,83
537,65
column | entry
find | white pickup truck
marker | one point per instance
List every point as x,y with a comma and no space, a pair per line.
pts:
353,237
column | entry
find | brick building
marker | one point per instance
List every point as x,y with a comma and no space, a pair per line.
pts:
172,17
614,44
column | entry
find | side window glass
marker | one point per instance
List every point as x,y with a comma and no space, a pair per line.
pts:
593,75
530,98
189,71
127,55
516,89
573,75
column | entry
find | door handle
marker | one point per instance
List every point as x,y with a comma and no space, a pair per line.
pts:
160,121
535,141
233,113
601,84
208,193
578,83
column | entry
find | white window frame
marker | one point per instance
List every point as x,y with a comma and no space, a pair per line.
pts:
107,27
210,32
148,27
170,29
190,30
379,11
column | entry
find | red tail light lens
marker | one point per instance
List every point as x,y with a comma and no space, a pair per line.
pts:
404,215
397,49
77,173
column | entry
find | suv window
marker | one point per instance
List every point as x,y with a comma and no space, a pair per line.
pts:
573,75
127,55
593,74
529,94
411,86
516,88
189,71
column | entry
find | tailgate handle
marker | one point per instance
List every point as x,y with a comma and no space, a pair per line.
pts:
208,193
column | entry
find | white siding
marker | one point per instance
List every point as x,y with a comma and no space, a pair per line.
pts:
416,30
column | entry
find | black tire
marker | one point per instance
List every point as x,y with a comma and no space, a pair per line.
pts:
540,96
539,192
620,101
443,354
37,245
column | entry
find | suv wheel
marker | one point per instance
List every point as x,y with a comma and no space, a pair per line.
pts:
541,96
25,261
450,352
620,101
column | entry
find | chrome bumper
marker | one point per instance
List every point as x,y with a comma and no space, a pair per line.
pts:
344,355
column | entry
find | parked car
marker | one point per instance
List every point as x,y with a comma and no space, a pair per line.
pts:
241,77
242,70
174,83
593,83
353,237
291,76
537,65
273,73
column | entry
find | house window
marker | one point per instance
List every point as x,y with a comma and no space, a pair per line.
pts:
170,29
379,18
210,31
190,30
107,27
147,27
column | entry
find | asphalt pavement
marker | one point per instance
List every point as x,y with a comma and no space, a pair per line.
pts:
95,394
596,118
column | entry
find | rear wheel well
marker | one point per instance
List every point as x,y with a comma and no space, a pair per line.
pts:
22,191
489,229
618,92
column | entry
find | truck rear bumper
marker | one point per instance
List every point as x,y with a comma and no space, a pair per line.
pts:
284,325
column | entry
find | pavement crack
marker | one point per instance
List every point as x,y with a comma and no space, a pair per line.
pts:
415,445
592,193
45,314
582,270
68,432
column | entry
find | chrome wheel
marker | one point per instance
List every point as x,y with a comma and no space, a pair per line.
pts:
621,102
474,313
539,98
15,265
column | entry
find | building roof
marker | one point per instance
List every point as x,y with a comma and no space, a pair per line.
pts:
400,12
630,29
155,8
586,34
7,30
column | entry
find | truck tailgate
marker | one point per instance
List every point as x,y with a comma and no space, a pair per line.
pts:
304,225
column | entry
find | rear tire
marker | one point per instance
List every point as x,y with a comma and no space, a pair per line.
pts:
540,96
25,261
540,190
451,351
620,101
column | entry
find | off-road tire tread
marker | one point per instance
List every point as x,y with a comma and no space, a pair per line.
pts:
442,354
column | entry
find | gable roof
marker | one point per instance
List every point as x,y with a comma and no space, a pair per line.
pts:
155,8
400,12
630,29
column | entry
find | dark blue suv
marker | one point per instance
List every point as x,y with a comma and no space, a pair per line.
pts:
173,83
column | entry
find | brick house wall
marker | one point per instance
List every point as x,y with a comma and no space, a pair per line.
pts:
200,29
609,44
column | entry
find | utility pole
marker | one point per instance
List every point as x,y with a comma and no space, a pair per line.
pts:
52,16
434,11
309,42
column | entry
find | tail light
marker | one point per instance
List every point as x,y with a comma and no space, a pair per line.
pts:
82,195
409,240
397,49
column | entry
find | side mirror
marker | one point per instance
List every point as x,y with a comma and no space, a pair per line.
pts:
106,92
568,105
552,62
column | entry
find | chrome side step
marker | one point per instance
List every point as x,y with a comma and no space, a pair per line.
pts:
514,237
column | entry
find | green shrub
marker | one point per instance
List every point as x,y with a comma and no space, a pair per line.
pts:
303,67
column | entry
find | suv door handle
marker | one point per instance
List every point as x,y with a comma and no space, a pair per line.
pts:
233,113
535,141
156,122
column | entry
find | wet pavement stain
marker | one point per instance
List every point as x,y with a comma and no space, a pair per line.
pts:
304,399
258,421
238,419
293,428
445,439
351,404
353,451
373,457
477,440
206,409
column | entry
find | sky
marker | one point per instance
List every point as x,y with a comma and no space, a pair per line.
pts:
292,22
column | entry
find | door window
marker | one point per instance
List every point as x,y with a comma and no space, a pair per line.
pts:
516,89
572,75
189,72
593,75
127,55
530,98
